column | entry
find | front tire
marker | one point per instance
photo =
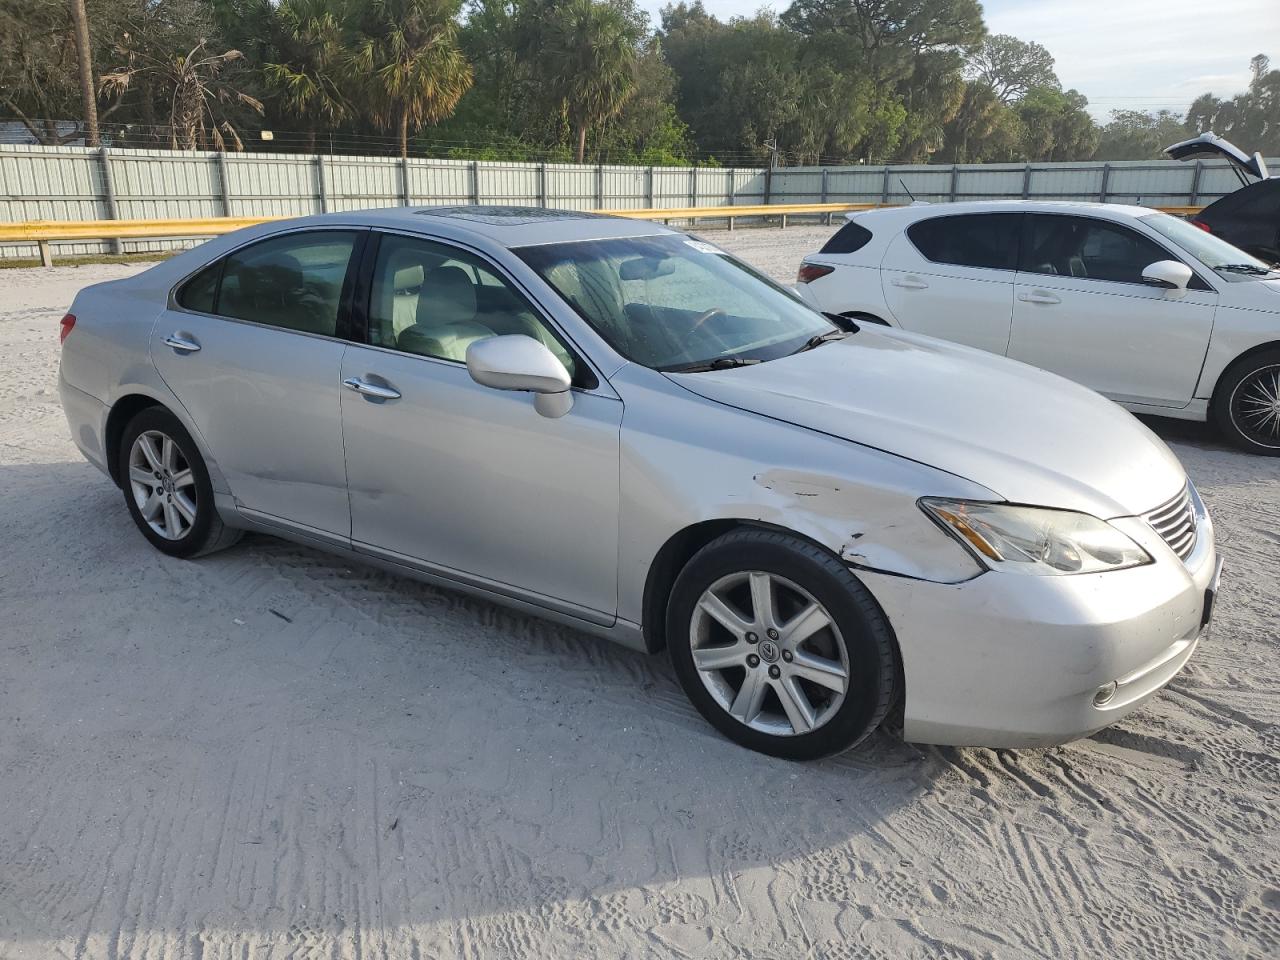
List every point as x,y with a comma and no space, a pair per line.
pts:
166,487
779,646
1246,404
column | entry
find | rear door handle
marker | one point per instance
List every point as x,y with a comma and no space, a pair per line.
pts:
909,283
375,390
1039,296
181,344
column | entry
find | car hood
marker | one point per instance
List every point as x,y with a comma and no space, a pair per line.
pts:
1027,435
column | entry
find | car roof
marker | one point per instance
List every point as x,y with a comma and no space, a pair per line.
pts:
508,226
921,211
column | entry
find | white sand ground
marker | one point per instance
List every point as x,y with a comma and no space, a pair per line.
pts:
272,753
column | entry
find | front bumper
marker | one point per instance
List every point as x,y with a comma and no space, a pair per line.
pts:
1010,660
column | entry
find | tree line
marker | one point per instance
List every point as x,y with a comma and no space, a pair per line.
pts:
826,81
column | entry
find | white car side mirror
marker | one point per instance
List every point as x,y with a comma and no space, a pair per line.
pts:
519,362
1169,274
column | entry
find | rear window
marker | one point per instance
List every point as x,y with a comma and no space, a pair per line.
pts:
987,240
847,239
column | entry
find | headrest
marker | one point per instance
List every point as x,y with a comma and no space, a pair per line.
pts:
448,296
406,271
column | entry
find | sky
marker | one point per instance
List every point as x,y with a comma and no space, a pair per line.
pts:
1123,54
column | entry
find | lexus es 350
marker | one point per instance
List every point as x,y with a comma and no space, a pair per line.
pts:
620,427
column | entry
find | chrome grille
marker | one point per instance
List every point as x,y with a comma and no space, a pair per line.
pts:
1175,521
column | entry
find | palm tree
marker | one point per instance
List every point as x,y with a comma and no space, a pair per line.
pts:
406,64
589,60
84,66
309,77
198,94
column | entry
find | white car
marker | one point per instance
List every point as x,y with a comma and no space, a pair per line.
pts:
1147,309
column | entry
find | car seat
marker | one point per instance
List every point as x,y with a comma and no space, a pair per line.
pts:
445,322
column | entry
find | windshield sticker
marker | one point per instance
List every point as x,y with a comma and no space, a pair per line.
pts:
703,247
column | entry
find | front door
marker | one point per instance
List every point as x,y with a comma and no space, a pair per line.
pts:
467,480
952,276
251,351
1081,309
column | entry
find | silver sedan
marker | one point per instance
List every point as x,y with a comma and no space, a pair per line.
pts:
623,428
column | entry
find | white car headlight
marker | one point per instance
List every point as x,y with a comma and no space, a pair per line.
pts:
1035,540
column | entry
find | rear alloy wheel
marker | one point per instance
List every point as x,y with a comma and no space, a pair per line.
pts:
779,646
1247,405
167,488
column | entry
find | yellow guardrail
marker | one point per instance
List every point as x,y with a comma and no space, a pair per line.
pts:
43,232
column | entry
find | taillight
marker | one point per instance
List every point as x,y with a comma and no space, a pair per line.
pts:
812,271
1201,225
65,325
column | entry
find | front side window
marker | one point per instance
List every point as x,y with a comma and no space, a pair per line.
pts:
1229,262
434,300
985,240
1087,249
674,303
292,281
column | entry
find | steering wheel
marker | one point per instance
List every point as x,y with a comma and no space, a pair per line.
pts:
697,324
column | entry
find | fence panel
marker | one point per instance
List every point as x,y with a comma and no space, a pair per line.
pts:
70,183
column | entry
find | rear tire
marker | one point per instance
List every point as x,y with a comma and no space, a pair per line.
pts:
779,646
1246,403
167,489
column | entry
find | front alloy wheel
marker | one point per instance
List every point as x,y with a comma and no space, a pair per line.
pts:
769,653
779,645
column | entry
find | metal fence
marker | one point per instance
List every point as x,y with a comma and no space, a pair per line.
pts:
81,183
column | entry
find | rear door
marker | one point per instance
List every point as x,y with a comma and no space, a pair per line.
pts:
1082,310
952,277
251,348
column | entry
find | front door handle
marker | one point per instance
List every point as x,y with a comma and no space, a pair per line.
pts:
375,390
909,283
1039,296
183,344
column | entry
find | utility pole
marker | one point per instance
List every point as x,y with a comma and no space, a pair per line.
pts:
84,58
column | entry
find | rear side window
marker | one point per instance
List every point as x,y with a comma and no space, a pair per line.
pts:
987,240
201,290
292,281
847,239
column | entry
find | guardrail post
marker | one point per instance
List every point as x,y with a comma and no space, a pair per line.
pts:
884,187
729,192
1026,181
322,191
224,183
1106,178
109,194
46,255
542,185
475,182
1195,183
406,193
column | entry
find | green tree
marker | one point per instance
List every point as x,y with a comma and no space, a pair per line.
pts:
584,55
1250,119
1056,125
311,49
1009,67
1138,135
405,65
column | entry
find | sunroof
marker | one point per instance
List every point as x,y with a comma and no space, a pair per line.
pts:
505,216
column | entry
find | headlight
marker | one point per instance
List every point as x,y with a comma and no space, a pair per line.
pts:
1035,540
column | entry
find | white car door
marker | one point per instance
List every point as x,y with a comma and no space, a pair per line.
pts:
467,481
952,277
1082,310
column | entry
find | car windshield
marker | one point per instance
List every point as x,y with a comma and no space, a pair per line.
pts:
1214,252
674,303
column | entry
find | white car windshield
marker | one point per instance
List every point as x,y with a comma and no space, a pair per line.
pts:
674,303
1213,252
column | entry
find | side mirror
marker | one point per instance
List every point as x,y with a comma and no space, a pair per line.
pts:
519,362
1169,274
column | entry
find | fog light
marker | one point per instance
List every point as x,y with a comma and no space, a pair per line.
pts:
1104,694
